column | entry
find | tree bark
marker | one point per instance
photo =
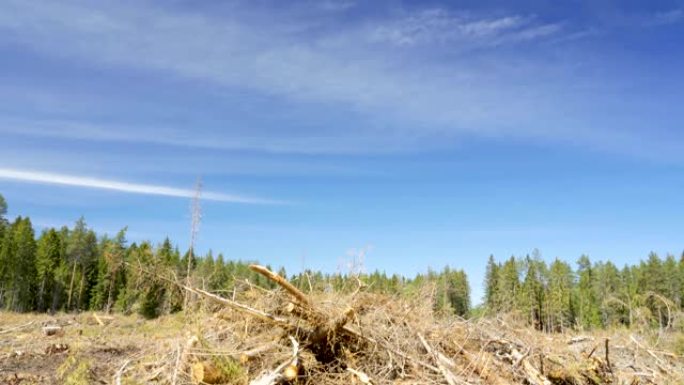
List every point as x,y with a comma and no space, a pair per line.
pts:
71,287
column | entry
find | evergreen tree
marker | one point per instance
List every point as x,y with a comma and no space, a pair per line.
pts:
560,308
82,260
607,283
628,296
49,258
653,288
111,272
3,212
533,292
459,293
7,251
672,281
23,273
509,285
588,309
492,284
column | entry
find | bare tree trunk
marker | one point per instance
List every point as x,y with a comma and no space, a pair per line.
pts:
112,283
71,287
80,291
55,297
41,295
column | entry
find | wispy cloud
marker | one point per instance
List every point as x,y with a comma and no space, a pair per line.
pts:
334,5
395,81
312,143
668,17
439,26
342,67
126,187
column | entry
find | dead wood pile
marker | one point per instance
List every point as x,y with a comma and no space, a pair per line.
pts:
285,336
254,336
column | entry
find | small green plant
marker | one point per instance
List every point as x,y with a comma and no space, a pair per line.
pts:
679,344
74,371
230,371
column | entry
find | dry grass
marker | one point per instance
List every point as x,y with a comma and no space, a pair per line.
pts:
384,340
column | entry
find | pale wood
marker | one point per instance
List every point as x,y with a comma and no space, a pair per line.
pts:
245,356
240,307
52,330
302,298
362,377
274,376
99,321
446,373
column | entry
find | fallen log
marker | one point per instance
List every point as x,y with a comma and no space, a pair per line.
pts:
282,282
449,377
579,339
52,330
533,375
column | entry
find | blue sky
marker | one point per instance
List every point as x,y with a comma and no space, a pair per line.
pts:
419,133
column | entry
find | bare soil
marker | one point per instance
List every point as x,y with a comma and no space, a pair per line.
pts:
262,337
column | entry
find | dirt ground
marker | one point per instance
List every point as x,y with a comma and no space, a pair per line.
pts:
83,351
324,339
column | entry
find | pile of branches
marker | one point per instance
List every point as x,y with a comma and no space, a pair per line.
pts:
288,337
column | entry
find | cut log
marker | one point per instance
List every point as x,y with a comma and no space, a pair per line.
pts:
53,330
99,321
282,282
533,375
579,339
449,377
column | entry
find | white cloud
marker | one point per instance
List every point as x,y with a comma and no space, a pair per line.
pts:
334,5
394,88
198,138
669,17
463,30
127,187
474,94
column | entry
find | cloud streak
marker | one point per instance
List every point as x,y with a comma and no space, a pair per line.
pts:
394,82
354,67
126,187
438,26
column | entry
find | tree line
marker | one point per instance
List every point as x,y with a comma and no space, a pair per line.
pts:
74,269
592,295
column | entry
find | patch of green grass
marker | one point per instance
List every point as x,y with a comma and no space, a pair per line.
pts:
679,344
231,371
75,371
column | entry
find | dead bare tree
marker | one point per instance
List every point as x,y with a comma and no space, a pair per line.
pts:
195,218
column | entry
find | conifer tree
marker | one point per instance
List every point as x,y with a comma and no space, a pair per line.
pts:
81,255
23,275
560,308
672,281
607,283
588,309
492,284
3,212
7,251
533,292
111,271
508,285
49,257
